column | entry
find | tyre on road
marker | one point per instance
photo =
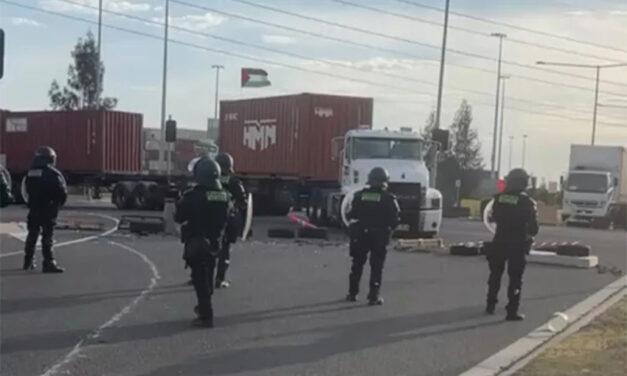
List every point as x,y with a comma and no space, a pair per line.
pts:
282,233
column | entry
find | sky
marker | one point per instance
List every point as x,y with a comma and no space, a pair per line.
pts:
391,53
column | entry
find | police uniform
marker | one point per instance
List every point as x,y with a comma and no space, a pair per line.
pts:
515,215
203,210
234,225
375,212
47,192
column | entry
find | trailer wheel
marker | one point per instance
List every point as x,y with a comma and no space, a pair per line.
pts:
139,196
121,196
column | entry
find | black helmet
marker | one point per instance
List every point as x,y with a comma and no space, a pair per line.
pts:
516,180
225,160
45,155
378,177
207,173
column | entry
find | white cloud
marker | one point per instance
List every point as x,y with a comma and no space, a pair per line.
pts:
278,39
21,21
618,12
158,8
128,6
202,22
577,13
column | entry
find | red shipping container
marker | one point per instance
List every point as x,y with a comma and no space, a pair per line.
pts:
290,136
86,142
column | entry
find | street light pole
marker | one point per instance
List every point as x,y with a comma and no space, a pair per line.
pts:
217,67
498,168
99,80
164,83
596,88
511,147
524,150
438,110
496,106
596,105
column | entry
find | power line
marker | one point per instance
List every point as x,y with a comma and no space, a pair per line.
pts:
418,43
267,61
521,28
470,31
323,61
374,47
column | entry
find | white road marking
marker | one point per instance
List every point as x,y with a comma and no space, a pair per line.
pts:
79,240
72,355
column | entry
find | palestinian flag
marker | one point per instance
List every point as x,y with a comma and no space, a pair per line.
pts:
252,77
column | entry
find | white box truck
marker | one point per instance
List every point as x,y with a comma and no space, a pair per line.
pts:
595,189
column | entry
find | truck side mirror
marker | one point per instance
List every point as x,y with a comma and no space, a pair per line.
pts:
615,181
336,148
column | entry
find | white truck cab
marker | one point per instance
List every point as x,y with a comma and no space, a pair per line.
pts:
594,189
402,154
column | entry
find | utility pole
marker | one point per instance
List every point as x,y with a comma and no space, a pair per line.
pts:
217,67
511,147
496,107
438,109
99,80
164,84
498,168
596,87
524,150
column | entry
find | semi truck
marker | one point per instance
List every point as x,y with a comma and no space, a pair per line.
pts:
595,188
100,151
311,151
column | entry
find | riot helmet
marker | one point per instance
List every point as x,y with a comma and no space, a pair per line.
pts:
516,180
207,173
45,155
225,160
378,178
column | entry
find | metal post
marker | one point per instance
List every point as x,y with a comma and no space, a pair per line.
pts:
169,168
511,147
164,84
596,104
498,168
496,107
99,80
524,150
442,59
217,100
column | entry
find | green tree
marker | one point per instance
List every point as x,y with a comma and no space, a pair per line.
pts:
466,147
83,90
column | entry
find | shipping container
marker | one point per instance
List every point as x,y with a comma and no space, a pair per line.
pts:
86,142
289,136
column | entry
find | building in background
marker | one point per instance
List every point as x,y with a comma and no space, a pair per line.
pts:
189,144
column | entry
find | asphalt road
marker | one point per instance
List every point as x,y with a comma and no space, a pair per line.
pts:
123,308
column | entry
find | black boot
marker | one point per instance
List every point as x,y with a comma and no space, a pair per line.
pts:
202,321
52,267
351,298
29,263
374,298
514,316
490,308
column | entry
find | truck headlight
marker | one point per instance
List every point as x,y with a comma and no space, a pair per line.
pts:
435,203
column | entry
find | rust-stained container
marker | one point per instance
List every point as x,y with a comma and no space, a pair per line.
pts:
290,136
86,142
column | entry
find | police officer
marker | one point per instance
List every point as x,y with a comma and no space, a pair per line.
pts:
375,213
47,192
203,210
236,219
515,215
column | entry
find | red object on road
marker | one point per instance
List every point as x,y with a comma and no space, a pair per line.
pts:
289,136
299,221
86,142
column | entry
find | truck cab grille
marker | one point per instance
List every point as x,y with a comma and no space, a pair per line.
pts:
409,195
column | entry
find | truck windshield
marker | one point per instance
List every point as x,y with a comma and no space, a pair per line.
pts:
381,148
593,183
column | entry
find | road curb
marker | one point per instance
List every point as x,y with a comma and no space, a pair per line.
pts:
519,353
